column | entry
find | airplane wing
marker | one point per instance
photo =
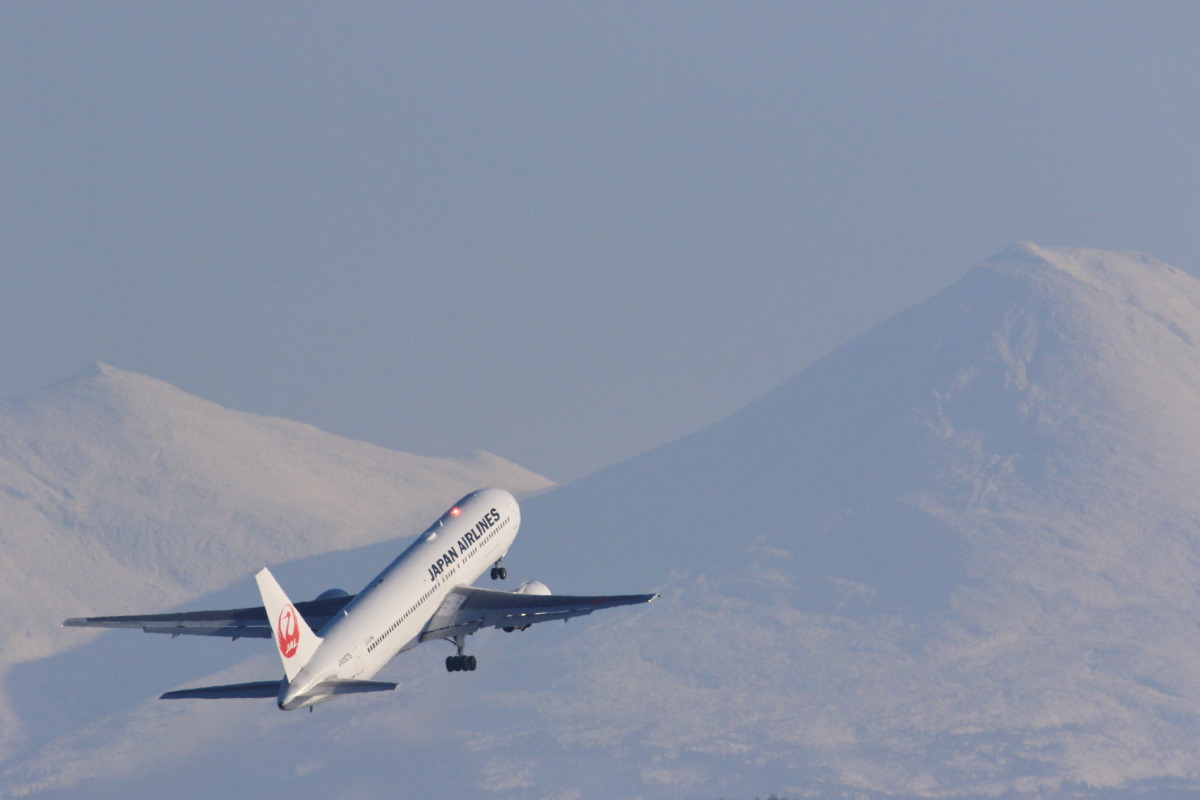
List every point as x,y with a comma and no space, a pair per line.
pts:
467,609
235,623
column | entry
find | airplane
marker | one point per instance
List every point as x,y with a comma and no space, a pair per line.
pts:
423,595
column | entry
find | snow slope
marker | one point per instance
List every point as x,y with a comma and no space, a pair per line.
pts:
958,557
120,493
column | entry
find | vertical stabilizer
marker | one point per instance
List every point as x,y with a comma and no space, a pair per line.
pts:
293,637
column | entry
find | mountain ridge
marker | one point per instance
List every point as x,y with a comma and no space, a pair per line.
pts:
968,377
1000,477
956,558
119,492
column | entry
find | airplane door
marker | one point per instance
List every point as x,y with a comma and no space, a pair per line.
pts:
357,665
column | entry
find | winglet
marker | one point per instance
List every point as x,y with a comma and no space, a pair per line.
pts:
295,639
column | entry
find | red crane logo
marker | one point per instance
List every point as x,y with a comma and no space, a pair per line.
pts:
288,632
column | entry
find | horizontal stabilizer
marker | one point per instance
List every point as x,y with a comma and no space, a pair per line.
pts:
260,689
226,692
350,687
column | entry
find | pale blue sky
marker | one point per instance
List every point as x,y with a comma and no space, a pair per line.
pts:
565,233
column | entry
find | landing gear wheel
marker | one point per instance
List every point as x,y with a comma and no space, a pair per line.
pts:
460,663
502,573
495,573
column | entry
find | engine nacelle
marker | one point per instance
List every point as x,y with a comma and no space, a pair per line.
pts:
533,587
329,594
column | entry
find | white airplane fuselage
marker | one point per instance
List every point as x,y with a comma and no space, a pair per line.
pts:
389,615
423,595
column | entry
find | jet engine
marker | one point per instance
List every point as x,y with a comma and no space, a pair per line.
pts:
329,594
528,587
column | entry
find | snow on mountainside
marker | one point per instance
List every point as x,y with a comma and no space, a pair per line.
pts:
960,554
120,493
958,557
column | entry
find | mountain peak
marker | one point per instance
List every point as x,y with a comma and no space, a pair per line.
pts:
101,384
957,557
995,491
99,369
1127,277
135,484
1077,261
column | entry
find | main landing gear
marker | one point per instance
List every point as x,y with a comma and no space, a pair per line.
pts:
460,662
499,572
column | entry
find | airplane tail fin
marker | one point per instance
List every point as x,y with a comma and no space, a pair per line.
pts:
295,639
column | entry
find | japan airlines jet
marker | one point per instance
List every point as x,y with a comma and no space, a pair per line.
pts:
424,594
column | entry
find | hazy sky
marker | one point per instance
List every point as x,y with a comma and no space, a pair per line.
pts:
565,233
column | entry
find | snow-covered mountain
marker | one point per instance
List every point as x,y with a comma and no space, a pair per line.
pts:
118,491
958,557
